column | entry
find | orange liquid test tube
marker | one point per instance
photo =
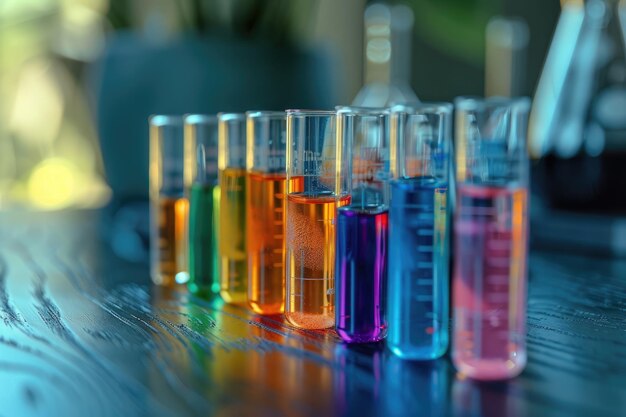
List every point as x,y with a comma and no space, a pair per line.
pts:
317,186
266,267
312,260
168,206
266,187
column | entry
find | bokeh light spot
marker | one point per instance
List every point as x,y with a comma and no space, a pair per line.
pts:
52,184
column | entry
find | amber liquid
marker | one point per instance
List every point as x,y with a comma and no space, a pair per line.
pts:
310,260
168,240
232,236
266,243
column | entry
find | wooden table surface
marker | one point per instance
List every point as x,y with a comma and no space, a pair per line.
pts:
83,333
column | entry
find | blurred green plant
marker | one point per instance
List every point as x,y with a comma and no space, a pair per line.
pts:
455,26
275,20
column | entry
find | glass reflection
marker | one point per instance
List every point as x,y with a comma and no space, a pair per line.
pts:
487,399
169,361
409,385
357,379
293,375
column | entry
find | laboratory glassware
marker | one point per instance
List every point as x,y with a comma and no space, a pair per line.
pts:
577,127
506,46
201,188
232,212
266,187
420,142
361,249
490,235
168,205
388,31
316,187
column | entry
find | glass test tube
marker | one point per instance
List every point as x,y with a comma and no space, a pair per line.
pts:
168,206
361,258
266,182
315,189
418,231
232,228
201,188
491,234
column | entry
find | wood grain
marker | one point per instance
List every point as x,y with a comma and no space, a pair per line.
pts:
83,333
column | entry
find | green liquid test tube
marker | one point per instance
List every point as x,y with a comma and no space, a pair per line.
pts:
203,194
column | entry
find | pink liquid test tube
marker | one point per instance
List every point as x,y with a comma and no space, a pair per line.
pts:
491,238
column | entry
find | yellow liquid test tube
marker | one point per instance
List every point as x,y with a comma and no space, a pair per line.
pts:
232,228
168,206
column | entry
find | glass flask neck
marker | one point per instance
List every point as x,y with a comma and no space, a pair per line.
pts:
388,32
387,54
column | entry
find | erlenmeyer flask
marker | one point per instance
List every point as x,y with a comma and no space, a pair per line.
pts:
578,121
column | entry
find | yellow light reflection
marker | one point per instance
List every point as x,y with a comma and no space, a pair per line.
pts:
38,108
52,184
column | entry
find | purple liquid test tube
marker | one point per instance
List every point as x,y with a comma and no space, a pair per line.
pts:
361,249
491,238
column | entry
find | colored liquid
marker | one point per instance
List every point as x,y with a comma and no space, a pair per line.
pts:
168,255
217,197
266,243
418,269
361,274
203,258
490,281
232,236
310,260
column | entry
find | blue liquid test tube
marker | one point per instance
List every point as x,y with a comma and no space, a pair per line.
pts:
418,231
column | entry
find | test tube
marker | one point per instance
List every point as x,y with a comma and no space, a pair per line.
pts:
315,189
491,234
267,182
201,188
168,206
232,229
418,230
361,258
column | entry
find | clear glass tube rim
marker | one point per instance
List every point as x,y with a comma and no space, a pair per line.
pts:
200,119
301,113
440,107
365,111
164,120
478,103
270,114
227,117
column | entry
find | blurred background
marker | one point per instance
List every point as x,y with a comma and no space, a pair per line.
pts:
78,79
